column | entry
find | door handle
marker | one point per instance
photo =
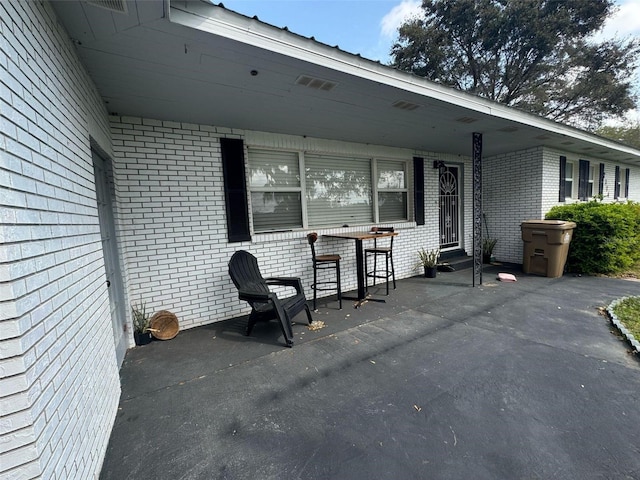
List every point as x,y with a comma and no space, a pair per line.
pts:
108,283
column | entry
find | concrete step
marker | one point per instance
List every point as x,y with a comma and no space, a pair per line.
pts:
458,259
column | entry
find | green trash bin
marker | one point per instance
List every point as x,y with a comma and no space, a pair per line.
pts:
546,245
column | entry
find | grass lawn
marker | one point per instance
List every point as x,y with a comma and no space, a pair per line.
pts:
628,312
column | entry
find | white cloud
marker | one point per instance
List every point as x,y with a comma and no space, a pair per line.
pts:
398,15
623,23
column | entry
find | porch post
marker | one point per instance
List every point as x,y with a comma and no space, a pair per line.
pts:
477,208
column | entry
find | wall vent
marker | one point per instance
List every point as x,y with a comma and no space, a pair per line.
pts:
315,83
118,6
402,105
466,119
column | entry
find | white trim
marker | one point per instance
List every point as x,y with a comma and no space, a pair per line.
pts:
219,21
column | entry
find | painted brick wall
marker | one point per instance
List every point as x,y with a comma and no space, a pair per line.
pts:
512,186
173,226
55,328
551,168
528,183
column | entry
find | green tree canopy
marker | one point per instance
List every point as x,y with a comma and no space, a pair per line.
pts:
535,55
629,135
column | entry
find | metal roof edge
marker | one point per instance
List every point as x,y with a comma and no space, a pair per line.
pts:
218,20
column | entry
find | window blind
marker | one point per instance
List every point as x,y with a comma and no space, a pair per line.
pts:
338,190
276,211
273,169
392,190
274,179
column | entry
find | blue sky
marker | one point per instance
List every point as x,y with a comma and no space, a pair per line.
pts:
369,27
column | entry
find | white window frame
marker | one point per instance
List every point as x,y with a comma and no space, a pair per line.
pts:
622,183
571,193
302,188
289,189
377,190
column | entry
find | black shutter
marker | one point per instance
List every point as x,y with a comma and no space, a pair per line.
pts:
563,174
583,179
418,189
616,184
235,189
601,180
626,183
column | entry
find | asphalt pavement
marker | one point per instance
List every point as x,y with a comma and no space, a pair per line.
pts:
505,380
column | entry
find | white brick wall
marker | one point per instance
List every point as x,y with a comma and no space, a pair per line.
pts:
524,186
173,226
55,325
512,192
54,315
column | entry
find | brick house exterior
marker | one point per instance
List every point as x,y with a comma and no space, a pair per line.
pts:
60,347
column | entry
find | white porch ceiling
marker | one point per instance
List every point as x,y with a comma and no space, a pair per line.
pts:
191,61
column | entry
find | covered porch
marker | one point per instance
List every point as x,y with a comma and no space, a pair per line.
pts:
509,380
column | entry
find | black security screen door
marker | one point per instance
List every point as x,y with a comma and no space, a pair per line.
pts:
449,208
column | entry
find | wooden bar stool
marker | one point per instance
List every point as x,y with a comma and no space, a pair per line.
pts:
324,262
387,251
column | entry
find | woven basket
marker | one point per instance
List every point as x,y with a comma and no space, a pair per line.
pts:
164,325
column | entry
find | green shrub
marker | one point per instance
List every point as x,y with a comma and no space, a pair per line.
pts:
606,238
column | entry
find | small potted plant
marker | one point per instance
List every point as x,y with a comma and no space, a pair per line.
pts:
488,244
141,333
429,260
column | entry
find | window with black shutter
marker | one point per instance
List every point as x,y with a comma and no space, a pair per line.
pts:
583,180
616,184
418,189
235,189
294,190
626,182
563,174
601,180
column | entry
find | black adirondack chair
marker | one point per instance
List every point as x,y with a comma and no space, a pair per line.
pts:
265,304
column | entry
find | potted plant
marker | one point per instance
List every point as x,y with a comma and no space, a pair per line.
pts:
141,333
429,260
488,245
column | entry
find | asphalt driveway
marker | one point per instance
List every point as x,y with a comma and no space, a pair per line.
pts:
517,380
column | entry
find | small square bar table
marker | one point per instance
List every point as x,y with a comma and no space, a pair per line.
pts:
359,237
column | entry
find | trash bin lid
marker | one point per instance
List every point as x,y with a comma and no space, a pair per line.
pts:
548,224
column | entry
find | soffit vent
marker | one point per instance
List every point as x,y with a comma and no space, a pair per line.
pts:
568,142
316,83
466,119
402,105
509,129
543,137
118,6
